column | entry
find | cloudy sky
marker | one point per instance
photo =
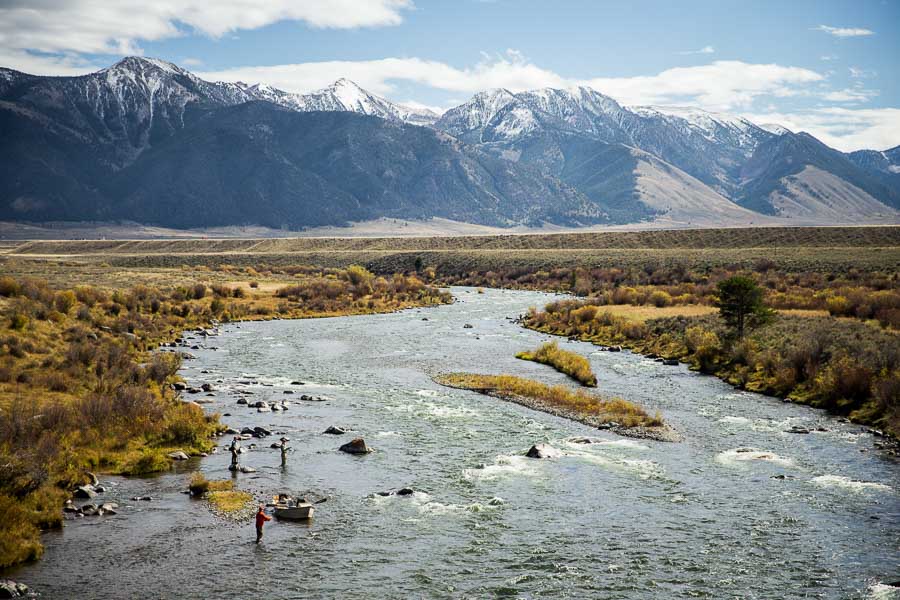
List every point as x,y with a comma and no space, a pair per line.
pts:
827,67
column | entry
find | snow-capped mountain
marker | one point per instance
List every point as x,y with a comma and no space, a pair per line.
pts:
147,141
502,157
718,128
345,96
574,134
513,116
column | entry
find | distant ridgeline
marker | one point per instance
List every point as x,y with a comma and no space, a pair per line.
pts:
147,141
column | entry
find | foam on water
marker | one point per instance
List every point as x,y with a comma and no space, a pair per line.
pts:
431,409
880,591
505,465
737,456
839,481
620,444
644,469
384,434
428,506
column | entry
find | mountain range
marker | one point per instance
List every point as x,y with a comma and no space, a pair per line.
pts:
145,140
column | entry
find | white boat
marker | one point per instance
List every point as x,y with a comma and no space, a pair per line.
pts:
297,512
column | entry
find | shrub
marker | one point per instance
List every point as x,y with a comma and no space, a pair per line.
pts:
9,287
572,364
18,321
660,299
198,291
148,461
199,485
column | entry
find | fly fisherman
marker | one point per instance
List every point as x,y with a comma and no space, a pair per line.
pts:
235,450
261,518
284,449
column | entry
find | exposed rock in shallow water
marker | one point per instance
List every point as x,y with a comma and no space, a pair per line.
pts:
179,455
543,451
357,446
85,491
335,430
11,589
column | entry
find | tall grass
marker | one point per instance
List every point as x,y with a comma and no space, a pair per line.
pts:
571,363
579,402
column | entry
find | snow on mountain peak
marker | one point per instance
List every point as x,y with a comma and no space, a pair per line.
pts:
774,128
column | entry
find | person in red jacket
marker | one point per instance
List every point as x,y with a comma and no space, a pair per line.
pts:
261,518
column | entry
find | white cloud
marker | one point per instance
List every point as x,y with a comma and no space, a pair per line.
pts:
509,70
828,57
860,73
102,27
846,129
850,95
703,50
844,32
720,85
57,65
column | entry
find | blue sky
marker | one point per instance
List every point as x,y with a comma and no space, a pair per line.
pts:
825,67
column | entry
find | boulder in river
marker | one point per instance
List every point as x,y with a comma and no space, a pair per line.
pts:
206,387
468,326
85,491
543,451
11,589
179,386
797,429
614,349
261,431
178,455
356,446
671,362
332,430
246,469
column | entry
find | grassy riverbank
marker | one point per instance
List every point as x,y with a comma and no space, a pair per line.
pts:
83,387
845,366
578,405
570,363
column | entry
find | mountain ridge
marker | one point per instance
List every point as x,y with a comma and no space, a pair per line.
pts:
69,137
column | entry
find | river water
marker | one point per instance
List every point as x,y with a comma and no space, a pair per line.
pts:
619,518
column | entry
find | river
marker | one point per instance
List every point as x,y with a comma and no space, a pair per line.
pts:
709,517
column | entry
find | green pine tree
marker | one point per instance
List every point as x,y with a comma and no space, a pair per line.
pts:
741,306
